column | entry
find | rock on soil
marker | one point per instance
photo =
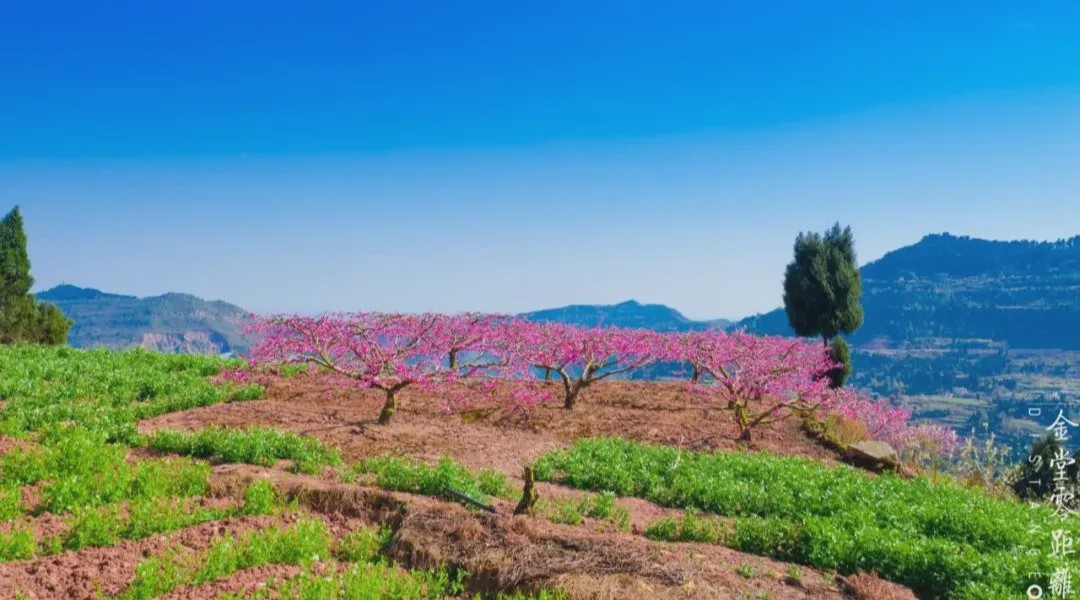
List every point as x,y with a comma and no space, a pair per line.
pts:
873,454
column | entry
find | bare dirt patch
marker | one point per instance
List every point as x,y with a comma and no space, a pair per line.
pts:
662,413
8,443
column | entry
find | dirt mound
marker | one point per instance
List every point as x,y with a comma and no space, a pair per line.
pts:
867,586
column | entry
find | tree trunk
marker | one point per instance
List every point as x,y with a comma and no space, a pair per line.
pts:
571,397
571,389
743,421
547,374
388,407
453,360
696,375
528,494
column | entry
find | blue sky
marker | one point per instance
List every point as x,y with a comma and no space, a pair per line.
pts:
512,156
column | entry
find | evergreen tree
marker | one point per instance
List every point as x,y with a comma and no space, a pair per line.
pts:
22,317
843,306
822,292
840,352
51,326
15,280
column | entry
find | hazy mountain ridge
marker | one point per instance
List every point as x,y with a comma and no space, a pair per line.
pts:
1025,294
169,323
1022,293
630,313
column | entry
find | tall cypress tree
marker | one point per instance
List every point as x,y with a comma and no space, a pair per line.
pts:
843,309
822,292
22,317
15,280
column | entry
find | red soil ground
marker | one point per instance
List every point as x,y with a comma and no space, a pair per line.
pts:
501,551
662,413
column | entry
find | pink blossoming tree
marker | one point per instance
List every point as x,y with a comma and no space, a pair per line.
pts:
889,423
388,352
762,379
578,356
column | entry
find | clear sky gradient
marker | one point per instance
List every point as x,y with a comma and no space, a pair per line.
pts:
513,156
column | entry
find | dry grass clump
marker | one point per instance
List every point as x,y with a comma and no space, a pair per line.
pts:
867,586
516,552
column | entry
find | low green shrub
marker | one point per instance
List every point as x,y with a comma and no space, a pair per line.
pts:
93,527
302,543
362,545
254,445
16,544
566,511
494,483
261,498
163,515
105,525
10,502
417,477
562,511
24,465
362,581
690,528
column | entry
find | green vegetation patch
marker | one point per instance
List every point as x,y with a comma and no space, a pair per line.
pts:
692,527
417,477
941,539
567,511
254,445
77,468
108,524
104,391
362,581
302,543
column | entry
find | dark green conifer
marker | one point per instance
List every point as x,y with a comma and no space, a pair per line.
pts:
823,291
22,317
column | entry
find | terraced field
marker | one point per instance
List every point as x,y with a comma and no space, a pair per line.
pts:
134,475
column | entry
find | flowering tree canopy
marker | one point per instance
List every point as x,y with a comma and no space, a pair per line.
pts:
886,422
579,356
761,378
388,352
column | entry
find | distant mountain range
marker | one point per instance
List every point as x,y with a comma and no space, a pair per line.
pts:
1025,294
625,314
167,323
